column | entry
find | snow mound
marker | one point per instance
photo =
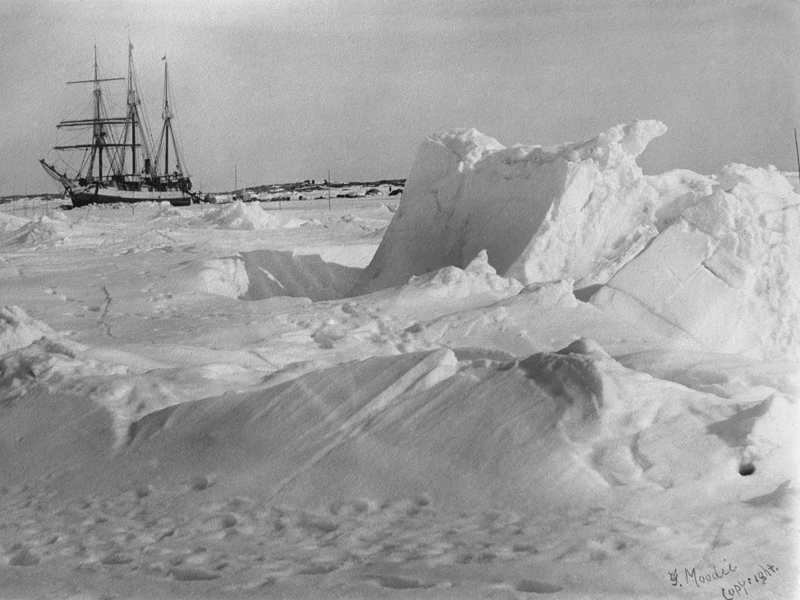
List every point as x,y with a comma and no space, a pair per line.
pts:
448,290
39,232
572,427
45,362
124,392
7,270
261,274
726,273
165,209
389,416
239,215
294,223
574,211
554,429
18,330
9,222
223,276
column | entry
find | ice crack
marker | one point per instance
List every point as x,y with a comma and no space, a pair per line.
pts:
717,275
103,321
652,313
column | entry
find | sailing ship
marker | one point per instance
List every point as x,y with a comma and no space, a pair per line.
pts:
120,163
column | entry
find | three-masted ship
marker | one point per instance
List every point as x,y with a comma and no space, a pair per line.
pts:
120,162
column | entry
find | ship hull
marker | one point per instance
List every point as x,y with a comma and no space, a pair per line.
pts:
112,196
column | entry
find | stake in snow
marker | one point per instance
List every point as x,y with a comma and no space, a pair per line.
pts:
120,162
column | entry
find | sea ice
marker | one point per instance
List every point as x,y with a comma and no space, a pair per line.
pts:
530,394
726,272
575,211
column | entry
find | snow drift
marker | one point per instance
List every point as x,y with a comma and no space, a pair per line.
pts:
572,427
239,215
11,221
447,290
261,274
42,231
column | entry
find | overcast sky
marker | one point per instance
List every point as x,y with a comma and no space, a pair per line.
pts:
286,89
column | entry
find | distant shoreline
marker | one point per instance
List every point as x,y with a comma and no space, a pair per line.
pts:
298,186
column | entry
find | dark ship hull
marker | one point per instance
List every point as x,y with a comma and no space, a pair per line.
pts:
100,195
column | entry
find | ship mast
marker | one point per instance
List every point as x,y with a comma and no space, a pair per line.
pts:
168,132
132,100
167,119
136,121
98,121
98,133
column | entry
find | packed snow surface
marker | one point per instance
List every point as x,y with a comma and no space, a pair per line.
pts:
542,372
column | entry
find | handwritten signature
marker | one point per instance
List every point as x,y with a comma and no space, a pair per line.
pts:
703,577
762,576
731,591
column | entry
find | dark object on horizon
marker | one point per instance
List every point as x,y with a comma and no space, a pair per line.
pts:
121,163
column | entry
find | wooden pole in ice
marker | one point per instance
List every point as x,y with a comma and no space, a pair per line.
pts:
797,152
329,183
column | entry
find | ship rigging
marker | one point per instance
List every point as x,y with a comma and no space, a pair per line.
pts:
120,161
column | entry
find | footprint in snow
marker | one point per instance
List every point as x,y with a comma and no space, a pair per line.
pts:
23,558
317,569
533,586
396,582
251,585
199,483
192,574
116,558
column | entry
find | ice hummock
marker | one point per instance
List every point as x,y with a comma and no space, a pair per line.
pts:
18,329
726,272
704,260
573,211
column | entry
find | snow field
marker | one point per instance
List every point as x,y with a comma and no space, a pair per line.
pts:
597,387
